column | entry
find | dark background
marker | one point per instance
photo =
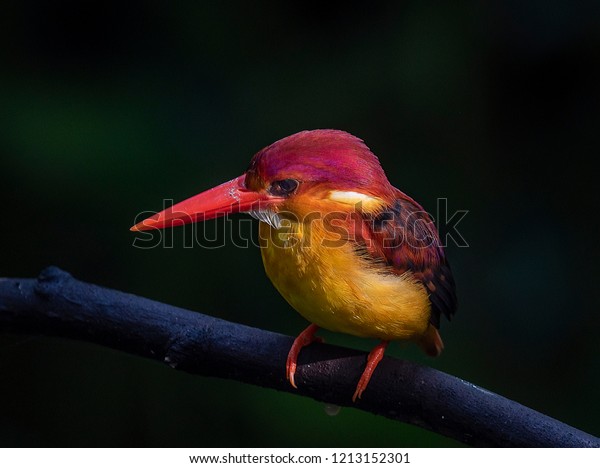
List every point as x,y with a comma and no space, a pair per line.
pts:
109,107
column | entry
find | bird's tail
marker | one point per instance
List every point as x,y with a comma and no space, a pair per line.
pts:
431,342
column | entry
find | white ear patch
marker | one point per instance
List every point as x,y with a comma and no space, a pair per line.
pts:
368,202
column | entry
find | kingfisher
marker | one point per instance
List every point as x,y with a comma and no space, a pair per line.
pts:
347,250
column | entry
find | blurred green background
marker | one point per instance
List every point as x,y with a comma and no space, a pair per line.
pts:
107,108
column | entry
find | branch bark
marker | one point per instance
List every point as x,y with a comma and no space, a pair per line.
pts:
57,304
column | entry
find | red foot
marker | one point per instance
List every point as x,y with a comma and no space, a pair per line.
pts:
305,338
374,357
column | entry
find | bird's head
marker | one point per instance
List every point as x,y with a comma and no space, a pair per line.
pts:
317,170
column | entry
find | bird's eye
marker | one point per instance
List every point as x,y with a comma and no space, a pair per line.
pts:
284,187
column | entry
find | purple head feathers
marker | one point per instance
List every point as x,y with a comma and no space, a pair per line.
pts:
319,156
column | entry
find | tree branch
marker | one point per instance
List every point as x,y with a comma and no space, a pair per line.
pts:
57,304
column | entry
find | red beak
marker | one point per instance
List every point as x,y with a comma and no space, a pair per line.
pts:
230,197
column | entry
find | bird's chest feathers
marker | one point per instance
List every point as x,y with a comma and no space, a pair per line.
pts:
328,283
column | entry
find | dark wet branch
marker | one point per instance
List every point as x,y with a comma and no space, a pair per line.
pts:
56,304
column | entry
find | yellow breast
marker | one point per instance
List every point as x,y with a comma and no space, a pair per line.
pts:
329,284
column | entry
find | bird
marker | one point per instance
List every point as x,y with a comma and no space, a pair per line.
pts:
347,250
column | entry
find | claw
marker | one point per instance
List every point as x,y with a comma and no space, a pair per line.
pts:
304,339
375,356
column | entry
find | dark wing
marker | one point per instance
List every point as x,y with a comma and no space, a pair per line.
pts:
404,236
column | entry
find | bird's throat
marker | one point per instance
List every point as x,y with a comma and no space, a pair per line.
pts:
267,216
